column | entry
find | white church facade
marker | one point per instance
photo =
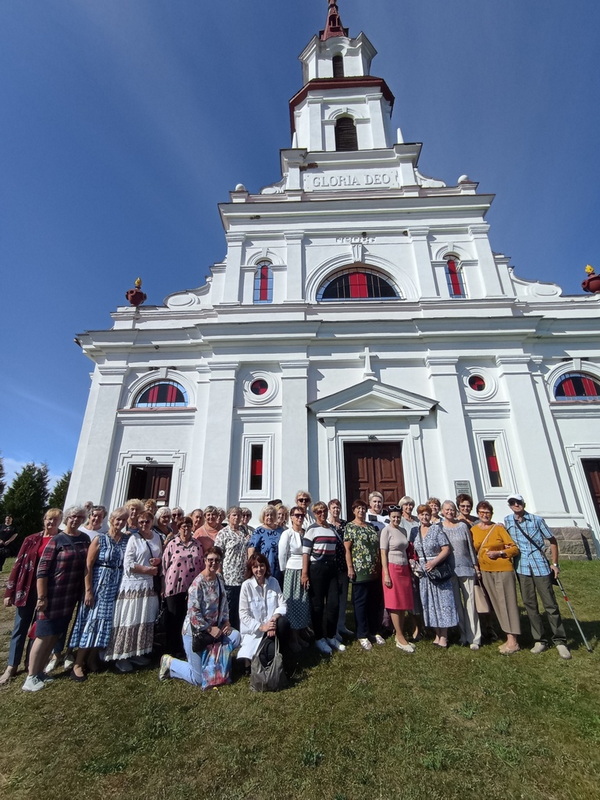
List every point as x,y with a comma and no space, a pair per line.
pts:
360,334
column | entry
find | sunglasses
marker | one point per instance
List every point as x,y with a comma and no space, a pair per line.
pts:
298,515
213,560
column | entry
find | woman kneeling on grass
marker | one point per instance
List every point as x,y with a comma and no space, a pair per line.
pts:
208,612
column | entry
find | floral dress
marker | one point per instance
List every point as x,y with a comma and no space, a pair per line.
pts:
437,599
93,625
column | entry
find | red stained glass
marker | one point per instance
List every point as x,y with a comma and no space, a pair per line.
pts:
455,285
259,387
358,285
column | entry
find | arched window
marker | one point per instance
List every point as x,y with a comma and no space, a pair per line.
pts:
356,283
345,134
162,394
456,286
577,386
263,283
338,66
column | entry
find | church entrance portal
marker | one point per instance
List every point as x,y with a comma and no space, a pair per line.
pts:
591,468
373,466
150,482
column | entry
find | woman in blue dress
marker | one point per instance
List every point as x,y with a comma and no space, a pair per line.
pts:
432,547
93,625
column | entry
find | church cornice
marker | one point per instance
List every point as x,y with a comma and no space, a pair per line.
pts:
361,82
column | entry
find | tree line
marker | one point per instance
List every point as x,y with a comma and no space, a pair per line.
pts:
29,495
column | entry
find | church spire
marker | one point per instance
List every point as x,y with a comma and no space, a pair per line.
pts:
334,25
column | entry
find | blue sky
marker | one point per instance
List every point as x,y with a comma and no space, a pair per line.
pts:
125,122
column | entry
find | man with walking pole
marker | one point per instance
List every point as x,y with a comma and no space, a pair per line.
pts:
535,574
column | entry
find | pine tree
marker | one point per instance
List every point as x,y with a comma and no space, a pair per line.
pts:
27,498
59,493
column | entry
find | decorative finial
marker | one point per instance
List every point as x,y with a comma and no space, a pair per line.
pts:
334,25
136,297
592,282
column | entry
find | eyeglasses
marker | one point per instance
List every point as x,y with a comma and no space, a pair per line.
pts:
304,499
144,522
213,560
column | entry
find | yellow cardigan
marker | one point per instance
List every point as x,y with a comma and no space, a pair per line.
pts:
495,538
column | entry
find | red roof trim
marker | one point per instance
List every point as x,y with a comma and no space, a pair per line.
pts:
339,83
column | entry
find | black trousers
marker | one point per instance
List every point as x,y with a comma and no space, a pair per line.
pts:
282,633
324,597
176,610
233,598
367,598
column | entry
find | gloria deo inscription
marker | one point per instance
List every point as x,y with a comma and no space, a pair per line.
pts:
351,180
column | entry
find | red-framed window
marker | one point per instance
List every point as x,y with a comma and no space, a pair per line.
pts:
263,283
356,284
162,394
491,458
577,386
454,278
256,467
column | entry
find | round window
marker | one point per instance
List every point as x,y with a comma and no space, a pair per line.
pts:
477,383
259,386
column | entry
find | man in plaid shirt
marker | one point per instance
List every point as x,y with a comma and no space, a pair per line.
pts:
535,574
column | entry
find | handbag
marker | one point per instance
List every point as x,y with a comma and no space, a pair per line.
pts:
482,601
215,667
270,678
156,579
440,573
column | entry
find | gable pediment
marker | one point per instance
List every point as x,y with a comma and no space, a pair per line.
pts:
374,399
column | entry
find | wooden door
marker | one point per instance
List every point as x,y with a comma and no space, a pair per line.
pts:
591,468
150,482
373,467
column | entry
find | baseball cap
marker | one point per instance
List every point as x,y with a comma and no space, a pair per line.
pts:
518,497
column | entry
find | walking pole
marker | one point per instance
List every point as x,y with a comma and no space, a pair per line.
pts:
571,609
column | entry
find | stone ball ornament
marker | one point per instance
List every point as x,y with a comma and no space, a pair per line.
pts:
592,282
136,297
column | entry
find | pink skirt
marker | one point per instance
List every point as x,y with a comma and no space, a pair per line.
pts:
400,596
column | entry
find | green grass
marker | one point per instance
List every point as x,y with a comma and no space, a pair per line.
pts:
360,725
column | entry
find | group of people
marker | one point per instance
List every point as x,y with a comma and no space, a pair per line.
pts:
203,585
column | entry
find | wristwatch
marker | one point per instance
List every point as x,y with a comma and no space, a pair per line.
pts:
556,565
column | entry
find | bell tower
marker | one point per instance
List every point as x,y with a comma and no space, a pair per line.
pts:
341,106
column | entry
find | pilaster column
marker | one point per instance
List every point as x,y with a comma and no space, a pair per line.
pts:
295,267
232,282
93,457
424,277
533,459
219,424
454,452
294,427
488,271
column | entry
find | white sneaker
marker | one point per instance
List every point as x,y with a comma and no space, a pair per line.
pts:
165,666
563,651
365,644
379,639
54,662
335,645
538,648
323,647
474,646
33,684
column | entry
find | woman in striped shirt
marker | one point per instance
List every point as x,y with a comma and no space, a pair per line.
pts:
320,577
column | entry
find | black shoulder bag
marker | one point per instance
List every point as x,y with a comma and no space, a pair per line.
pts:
440,573
203,639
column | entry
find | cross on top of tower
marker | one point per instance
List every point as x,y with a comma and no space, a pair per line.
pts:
334,25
